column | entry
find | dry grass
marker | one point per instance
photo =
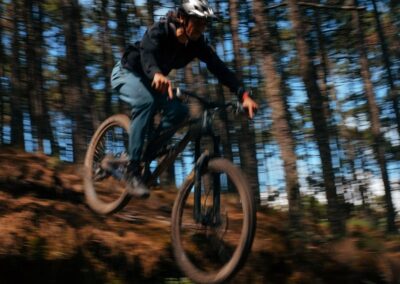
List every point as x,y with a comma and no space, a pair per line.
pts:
46,228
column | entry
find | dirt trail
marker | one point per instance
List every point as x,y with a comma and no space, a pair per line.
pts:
44,221
48,234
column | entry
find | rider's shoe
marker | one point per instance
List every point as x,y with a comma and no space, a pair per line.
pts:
135,184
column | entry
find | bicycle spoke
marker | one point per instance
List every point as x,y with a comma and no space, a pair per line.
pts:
107,167
209,244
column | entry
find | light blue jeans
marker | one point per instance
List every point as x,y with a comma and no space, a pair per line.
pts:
144,101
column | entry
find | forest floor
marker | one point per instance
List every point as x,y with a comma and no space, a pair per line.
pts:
49,235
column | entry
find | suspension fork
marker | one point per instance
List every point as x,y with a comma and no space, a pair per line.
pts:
217,185
201,165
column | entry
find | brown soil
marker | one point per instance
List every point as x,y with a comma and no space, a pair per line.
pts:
49,235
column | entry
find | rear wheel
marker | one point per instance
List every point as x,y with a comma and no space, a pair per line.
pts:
105,165
212,249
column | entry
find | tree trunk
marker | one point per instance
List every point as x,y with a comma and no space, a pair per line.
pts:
373,110
33,16
326,91
395,42
280,127
247,145
308,73
32,93
122,24
44,126
107,57
78,100
394,96
226,124
2,75
17,100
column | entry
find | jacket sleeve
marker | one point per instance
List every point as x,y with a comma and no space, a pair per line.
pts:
217,67
149,46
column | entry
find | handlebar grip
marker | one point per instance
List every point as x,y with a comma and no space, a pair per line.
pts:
239,109
177,92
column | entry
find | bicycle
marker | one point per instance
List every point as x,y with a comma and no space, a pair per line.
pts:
214,202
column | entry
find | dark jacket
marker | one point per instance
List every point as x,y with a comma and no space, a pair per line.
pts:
160,51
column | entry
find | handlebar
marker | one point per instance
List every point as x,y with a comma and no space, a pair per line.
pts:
237,107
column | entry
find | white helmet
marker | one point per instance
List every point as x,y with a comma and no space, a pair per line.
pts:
197,8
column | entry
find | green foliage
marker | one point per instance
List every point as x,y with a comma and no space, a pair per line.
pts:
358,224
313,208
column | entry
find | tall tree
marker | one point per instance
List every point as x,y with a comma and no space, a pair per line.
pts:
107,61
41,94
79,101
394,94
17,100
2,74
327,90
226,124
373,111
316,101
394,9
34,49
281,127
34,103
248,158
122,24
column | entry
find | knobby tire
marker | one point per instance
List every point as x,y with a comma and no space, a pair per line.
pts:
92,198
228,270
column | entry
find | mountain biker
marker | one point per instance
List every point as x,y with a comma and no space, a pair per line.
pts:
140,78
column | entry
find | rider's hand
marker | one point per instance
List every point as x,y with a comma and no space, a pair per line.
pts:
162,84
248,104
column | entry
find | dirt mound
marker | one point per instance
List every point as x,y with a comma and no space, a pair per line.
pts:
48,234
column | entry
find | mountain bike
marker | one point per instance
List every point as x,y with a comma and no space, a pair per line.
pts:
213,217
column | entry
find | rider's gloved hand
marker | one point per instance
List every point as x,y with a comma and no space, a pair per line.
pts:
249,104
162,84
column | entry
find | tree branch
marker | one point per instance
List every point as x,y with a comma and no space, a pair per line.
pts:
323,6
271,7
319,6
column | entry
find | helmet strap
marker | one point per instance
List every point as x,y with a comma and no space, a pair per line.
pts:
181,32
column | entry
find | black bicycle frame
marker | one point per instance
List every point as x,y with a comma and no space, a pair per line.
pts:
195,133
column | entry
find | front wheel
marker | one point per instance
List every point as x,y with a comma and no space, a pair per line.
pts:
212,248
105,165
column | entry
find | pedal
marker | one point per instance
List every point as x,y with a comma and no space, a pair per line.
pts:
113,166
100,174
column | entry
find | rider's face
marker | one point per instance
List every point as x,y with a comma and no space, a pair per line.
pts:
195,27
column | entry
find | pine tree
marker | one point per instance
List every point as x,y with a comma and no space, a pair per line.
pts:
281,127
373,111
321,130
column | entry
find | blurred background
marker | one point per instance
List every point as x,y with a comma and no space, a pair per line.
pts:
325,73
